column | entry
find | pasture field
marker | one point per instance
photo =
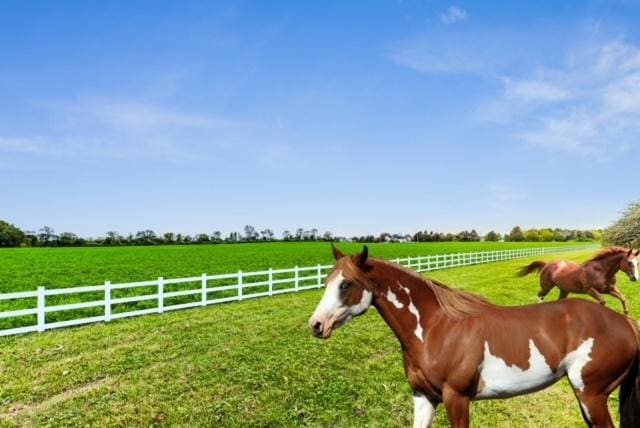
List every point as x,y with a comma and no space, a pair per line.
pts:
254,363
24,269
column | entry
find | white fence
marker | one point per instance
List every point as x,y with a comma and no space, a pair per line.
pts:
122,300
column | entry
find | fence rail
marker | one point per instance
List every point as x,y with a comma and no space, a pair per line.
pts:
213,289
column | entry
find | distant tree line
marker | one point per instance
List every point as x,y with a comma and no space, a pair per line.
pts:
516,235
11,236
548,235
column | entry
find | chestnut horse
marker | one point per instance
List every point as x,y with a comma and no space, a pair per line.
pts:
593,277
459,347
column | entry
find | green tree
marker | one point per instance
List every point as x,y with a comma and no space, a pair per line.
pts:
10,236
531,235
492,236
516,234
546,235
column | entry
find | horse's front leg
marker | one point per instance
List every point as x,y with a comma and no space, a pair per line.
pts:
457,406
424,410
618,295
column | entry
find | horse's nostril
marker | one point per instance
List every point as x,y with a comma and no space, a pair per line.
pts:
317,327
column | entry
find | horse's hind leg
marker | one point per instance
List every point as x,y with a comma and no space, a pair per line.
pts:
594,410
545,286
594,293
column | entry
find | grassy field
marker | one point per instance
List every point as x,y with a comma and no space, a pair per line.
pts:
252,363
25,269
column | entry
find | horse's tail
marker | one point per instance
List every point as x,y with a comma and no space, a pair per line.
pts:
629,405
535,266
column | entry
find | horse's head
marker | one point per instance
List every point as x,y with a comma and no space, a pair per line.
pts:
629,264
347,294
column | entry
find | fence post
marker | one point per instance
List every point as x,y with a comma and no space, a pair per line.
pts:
41,306
319,276
296,278
419,263
107,301
160,295
203,281
239,285
270,281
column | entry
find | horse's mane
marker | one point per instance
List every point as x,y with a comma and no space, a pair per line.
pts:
608,252
454,303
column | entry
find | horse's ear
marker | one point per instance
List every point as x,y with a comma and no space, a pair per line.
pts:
630,251
336,253
637,252
361,259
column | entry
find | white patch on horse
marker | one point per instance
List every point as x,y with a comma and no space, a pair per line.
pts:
574,362
391,297
501,380
412,308
418,331
423,411
365,301
406,290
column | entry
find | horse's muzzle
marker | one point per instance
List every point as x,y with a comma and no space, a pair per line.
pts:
320,330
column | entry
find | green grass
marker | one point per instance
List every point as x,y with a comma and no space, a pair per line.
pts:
28,268
24,269
253,363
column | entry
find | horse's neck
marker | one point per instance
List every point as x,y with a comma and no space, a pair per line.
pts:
406,303
611,265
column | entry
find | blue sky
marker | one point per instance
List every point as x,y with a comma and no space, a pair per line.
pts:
353,117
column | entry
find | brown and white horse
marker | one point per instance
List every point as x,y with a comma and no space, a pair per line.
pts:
459,347
593,277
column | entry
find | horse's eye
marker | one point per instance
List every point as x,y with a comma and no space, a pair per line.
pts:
344,285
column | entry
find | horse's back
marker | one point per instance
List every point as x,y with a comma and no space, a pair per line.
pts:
565,322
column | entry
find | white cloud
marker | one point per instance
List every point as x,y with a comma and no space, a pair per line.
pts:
452,15
127,129
589,104
531,91
444,53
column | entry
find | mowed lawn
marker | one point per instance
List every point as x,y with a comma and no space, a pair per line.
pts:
24,269
253,363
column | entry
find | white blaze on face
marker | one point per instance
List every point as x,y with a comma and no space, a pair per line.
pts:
331,311
501,380
330,301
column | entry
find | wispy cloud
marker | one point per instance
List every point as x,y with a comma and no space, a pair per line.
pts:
452,15
589,104
128,129
442,53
